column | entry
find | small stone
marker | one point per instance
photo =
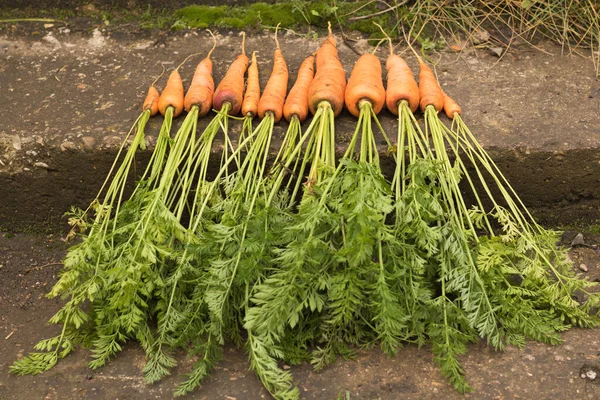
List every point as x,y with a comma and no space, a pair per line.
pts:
286,367
88,142
17,142
40,164
143,45
583,267
578,240
89,377
591,374
149,141
481,36
65,146
48,26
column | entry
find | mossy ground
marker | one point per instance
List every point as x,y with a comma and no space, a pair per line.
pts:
300,15
290,15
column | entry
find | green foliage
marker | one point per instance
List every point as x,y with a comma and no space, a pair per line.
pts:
357,261
294,14
253,15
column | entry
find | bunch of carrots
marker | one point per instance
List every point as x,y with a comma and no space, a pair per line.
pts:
307,257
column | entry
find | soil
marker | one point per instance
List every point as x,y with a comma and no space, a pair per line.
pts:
29,265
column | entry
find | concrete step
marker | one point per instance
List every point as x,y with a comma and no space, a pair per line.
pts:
68,99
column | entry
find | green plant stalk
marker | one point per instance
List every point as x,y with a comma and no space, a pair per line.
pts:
279,302
133,271
521,223
249,184
261,346
72,283
159,362
459,213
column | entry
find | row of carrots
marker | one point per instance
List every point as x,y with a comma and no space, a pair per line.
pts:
309,91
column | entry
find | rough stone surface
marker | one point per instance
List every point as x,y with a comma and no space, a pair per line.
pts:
69,99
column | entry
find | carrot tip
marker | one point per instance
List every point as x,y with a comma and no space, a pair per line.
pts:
160,76
276,40
243,42
214,43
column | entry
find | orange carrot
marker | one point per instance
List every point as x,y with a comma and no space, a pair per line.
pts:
296,102
430,92
273,97
151,101
451,107
231,88
200,92
172,95
429,89
252,95
365,84
329,83
401,83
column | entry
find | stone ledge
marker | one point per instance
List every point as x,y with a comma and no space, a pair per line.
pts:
69,99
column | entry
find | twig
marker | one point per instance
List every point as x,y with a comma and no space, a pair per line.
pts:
358,9
345,38
31,20
350,46
378,12
40,267
10,334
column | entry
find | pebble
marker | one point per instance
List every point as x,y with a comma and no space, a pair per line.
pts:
591,374
65,146
578,240
17,142
41,164
583,267
88,142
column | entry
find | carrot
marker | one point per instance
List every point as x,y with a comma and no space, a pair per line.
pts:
151,101
329,83
231,88
429,89
451,107
252,95
401,83
430,92
296,102
273,97
200,92
172,95
365,84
